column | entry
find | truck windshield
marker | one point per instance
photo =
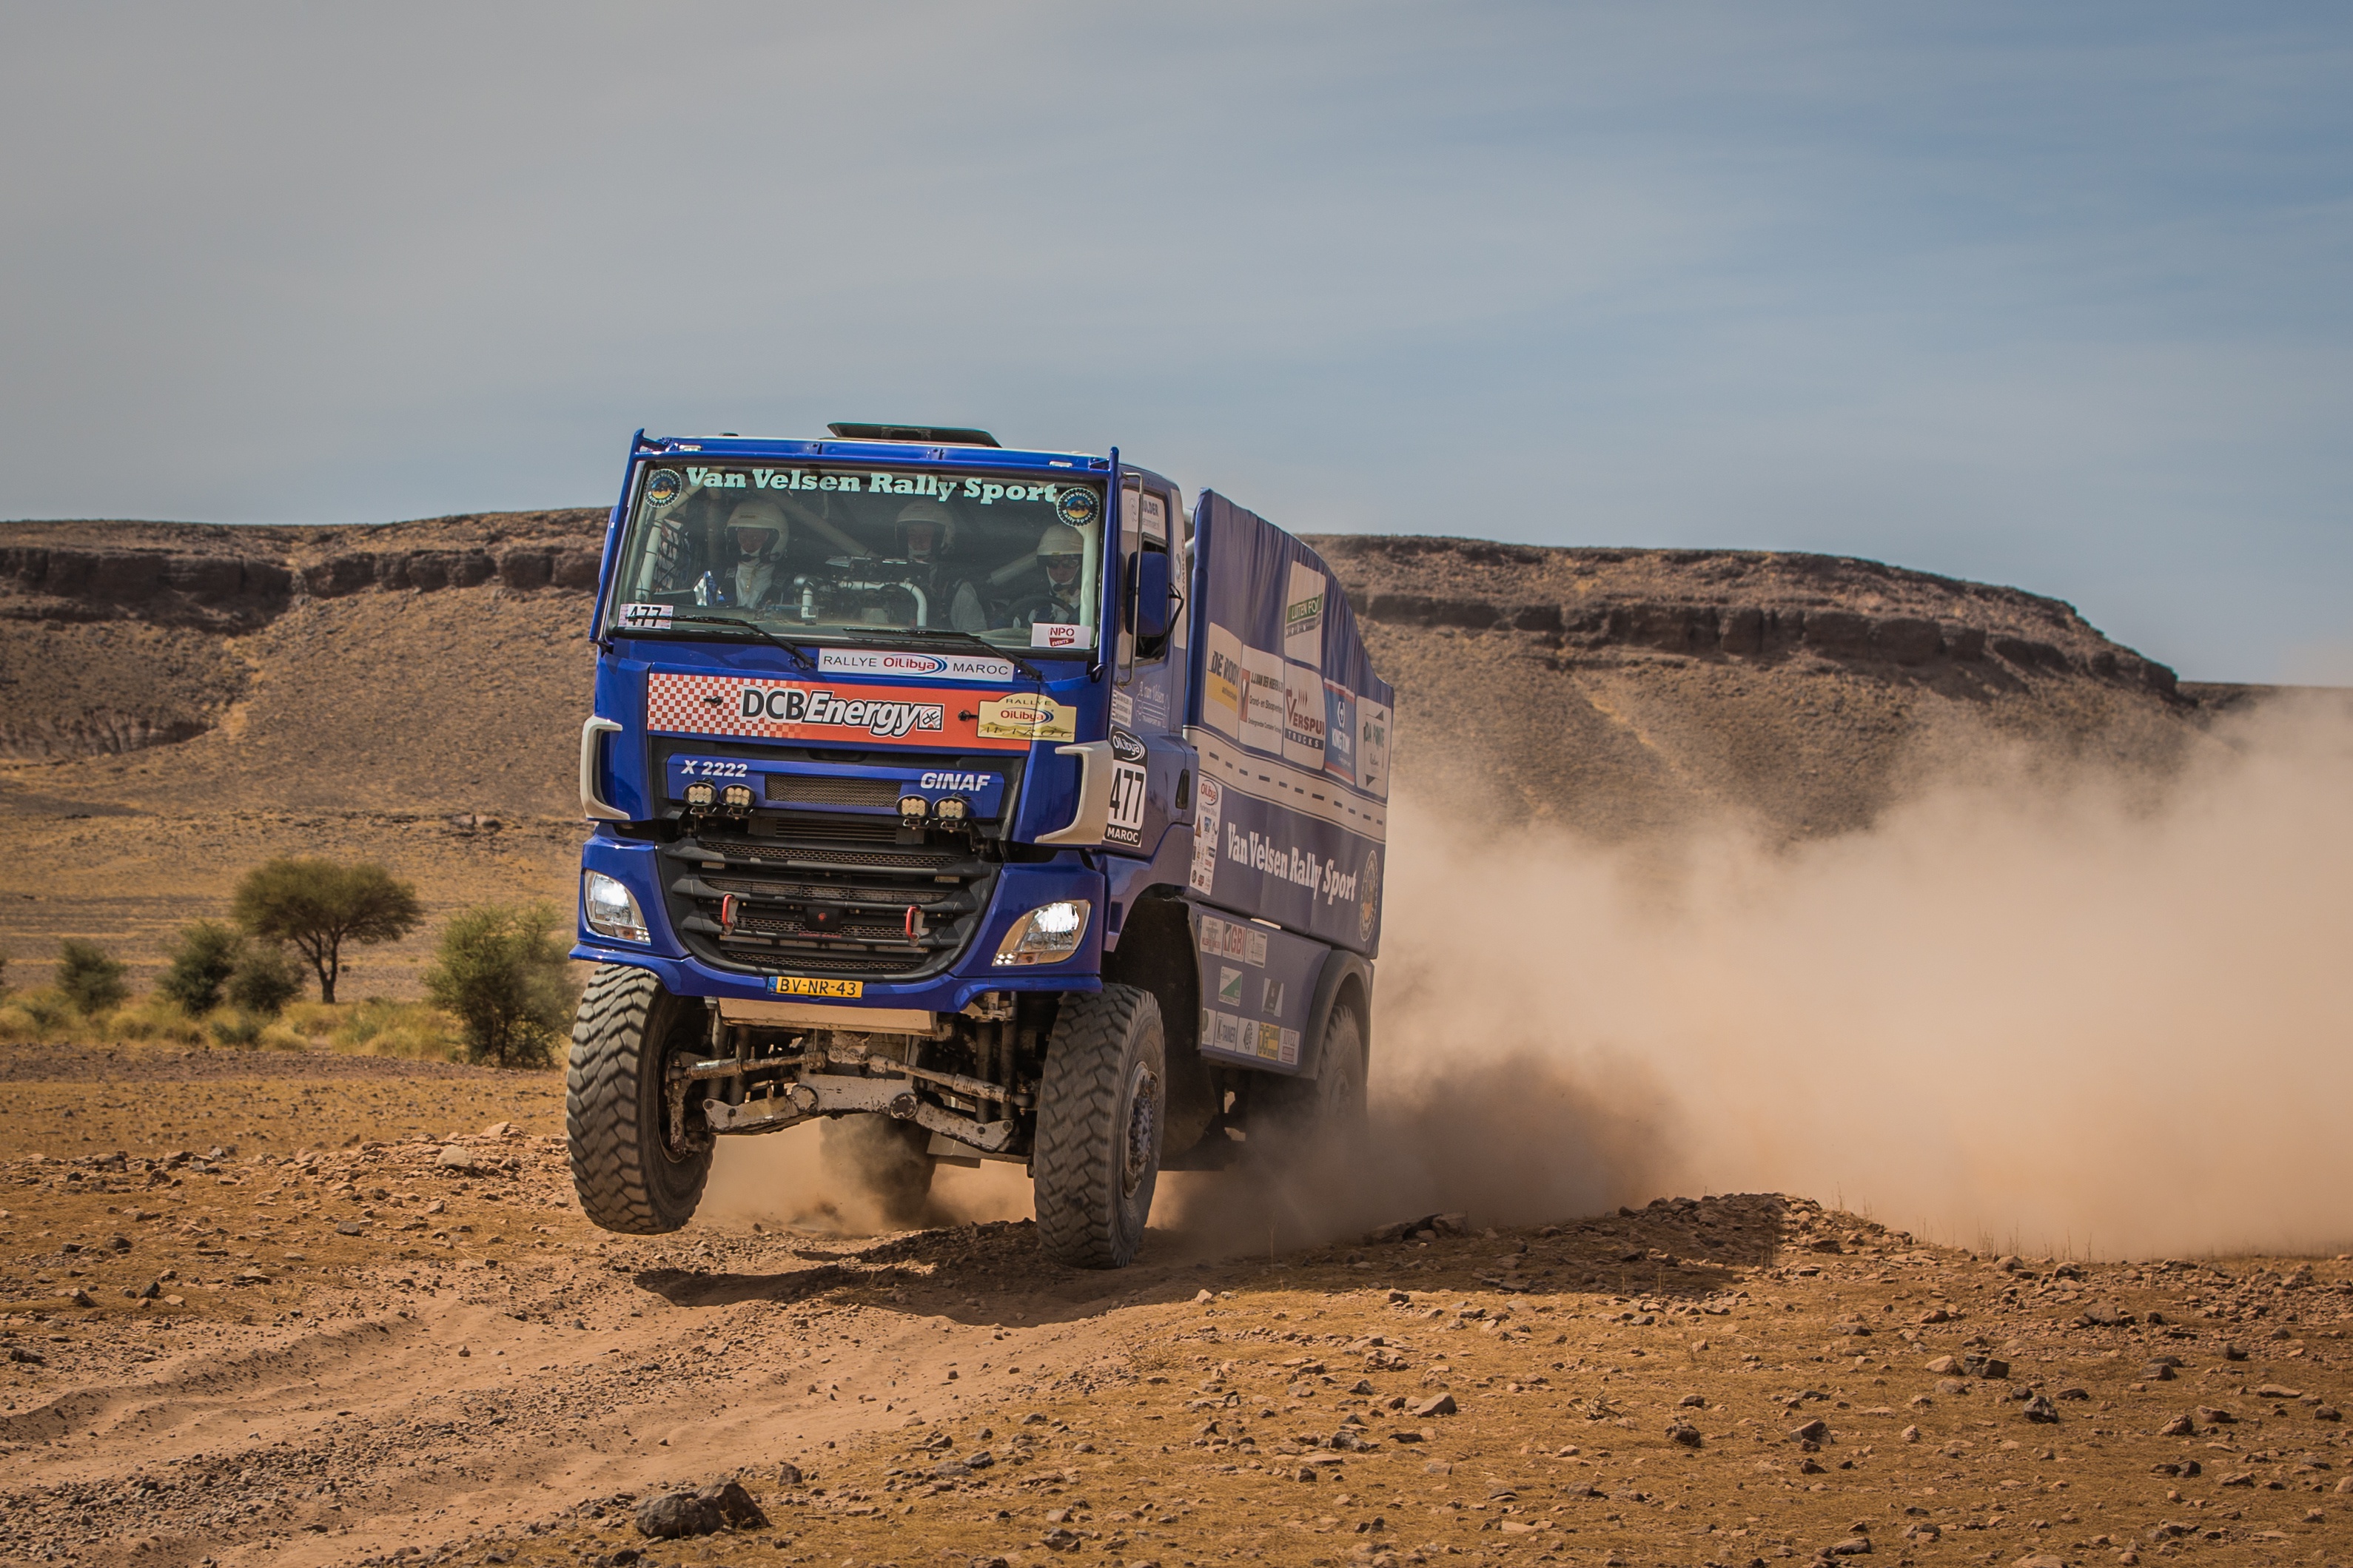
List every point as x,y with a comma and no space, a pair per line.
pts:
1011,559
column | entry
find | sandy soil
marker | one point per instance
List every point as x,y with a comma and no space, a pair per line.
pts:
412,1346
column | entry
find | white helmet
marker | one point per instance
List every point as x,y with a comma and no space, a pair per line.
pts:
1061,538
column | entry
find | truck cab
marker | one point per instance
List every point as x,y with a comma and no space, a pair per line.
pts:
980,803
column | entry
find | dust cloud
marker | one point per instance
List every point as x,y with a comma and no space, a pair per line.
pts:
2014,1015
2082,1017
801,1179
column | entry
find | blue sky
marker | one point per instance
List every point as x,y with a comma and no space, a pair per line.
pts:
2049,296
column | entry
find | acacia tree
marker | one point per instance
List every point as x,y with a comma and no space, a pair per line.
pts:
318,905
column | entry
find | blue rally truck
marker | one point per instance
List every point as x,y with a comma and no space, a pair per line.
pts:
981,804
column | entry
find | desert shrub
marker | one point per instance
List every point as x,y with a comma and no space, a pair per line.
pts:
502,972
415,1030
201,961
315,1021
267,977
43,1015
236,1029
156,1017
318,905
90,980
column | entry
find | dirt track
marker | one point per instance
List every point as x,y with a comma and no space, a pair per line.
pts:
391,1347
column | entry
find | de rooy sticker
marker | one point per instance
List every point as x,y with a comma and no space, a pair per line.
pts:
1077,506
664,486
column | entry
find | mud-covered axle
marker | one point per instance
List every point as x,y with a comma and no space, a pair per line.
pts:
970,1080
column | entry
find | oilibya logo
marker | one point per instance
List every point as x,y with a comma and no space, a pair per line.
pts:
1126,747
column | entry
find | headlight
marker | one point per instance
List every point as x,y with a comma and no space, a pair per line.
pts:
610,909
1047,934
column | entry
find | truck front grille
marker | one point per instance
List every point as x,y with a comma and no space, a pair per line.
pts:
810,898
803,789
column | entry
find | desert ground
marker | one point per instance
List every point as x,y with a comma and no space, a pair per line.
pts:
299,1307
316,1310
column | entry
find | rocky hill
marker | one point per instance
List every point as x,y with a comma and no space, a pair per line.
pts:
441,665
1621,691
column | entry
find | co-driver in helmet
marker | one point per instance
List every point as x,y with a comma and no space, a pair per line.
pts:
1061,557
926,539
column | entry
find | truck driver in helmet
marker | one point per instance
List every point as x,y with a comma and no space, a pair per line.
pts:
926,541
758,533
1061,556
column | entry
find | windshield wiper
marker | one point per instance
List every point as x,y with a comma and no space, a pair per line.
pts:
940,634
753,627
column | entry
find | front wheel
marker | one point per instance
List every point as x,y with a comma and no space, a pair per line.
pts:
1097,1156
635,1171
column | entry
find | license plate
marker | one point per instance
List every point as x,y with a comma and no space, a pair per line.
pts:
791,985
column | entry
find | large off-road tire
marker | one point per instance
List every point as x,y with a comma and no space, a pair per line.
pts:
1097,1156
1325,1115
629,1177
888,1160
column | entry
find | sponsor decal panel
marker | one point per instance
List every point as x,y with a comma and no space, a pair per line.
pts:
1031,716
1055,633
1303,617
1075,504
1262,700
1207,811
1235,939
1237,1035
1129,783
1340,731
1229,987
684,704
1302,716
912,666
1302,872
1373,747
1152,514
1221,683
647,617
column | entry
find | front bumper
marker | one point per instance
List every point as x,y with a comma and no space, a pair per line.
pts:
1017,889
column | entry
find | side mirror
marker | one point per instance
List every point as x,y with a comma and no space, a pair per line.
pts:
1147,594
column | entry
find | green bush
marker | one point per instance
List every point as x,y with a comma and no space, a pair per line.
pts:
502,973
318,905
415,1030
241,1029
266,978
206,956
91,981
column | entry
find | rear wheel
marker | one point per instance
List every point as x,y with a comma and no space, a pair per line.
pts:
887,1159
1100,1108
1326,1115
634,1171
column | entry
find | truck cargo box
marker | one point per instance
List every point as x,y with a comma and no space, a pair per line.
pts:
1291,822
